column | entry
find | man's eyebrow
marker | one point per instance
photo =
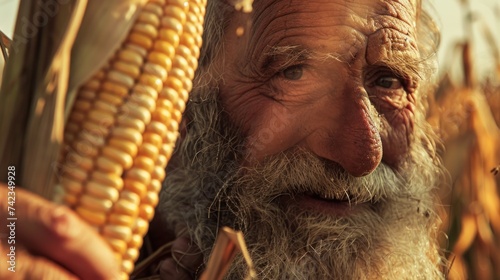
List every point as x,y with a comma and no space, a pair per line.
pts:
404,66
286,55
279,57
290,54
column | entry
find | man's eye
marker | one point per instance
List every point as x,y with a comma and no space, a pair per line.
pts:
293,72
389,82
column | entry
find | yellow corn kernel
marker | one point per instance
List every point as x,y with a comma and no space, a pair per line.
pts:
125,207
144,163
119,246
128,69
131,57
143,101
137,49
106,107
93,217
101,191
124,159
72,186
152,138
110,98
146,211
127,266
154,186
92,85
124,146
154,8
70,199
140,40
150,18
137,112
136,241
115,88
108,179
131,254
127,134
95,204
109,166
135,186
122,220
141,226
117,232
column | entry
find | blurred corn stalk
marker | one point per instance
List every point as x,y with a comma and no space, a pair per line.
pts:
466,115
4,52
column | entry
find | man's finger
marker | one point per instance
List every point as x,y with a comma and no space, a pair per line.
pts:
186,253
170,270
56,233
30,267
185,262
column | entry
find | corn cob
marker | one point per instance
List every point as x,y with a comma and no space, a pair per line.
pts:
123,125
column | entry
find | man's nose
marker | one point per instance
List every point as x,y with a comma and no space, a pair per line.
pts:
348,134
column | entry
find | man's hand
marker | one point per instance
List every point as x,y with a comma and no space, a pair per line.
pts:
185,263
51,242
185,260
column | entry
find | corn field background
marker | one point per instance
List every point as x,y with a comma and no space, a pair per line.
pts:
465,112
467,117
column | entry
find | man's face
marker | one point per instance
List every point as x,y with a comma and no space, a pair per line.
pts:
337,78
311,144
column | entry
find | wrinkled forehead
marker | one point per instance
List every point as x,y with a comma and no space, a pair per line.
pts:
300,11
351,25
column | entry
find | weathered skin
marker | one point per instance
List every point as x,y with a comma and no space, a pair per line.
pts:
344,88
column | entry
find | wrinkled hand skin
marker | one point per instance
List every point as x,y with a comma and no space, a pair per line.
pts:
51,242
186,262
338,78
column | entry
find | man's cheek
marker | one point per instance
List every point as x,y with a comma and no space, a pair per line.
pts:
272,136
397,133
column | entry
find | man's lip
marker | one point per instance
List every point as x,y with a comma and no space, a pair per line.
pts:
326,206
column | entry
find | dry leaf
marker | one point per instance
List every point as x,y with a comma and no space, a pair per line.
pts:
227,245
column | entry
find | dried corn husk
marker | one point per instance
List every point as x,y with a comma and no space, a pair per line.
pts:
44,88
32,97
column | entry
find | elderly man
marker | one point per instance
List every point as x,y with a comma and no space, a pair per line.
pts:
306,131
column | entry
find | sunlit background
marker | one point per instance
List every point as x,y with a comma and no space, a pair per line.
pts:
465,112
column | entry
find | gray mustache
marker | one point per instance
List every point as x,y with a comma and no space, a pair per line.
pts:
299,171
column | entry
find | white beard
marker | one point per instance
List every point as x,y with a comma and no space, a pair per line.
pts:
392,237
